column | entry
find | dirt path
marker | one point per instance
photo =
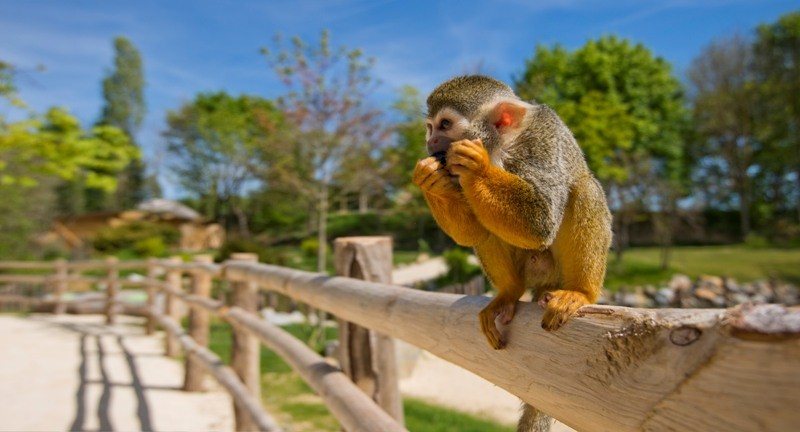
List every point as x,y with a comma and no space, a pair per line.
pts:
74,373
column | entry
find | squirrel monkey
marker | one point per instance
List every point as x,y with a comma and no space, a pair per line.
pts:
507,178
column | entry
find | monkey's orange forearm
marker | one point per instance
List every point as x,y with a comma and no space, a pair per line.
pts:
510,208
456,219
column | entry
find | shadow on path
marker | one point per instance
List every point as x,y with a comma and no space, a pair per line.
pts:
97,332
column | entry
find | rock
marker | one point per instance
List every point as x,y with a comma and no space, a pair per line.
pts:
680,282
737,298
731,285
786,294
705,294
714,282
664,297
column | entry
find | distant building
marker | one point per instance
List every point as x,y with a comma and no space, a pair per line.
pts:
77,231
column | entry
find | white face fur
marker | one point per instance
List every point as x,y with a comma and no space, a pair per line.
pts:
453,125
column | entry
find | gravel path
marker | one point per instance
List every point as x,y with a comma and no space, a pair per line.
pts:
74,373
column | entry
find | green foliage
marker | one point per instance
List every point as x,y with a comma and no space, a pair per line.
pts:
216,143
150,247
310,246
137,235
424,417
401,159
620,101
57,146
265,255
459,269
756,241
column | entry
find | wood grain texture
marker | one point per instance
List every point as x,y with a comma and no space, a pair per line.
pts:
608,369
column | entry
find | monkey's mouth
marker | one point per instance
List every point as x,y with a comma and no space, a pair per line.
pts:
441,157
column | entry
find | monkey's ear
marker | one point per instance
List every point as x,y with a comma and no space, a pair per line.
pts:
507,115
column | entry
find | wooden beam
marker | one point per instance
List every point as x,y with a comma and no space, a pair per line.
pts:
366,356
355,410
608,369
245,349
223,374
198,326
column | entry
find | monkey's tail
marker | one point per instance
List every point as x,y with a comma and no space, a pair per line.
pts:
533,420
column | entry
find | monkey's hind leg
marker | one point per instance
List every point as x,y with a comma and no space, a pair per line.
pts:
504,266
533,420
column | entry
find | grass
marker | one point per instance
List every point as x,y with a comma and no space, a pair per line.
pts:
745,264
293,402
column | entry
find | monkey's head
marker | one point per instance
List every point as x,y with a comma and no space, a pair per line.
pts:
473,107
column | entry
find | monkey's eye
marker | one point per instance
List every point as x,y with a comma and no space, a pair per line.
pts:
445,124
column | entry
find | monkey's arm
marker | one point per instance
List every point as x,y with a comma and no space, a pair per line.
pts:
448,204
522,214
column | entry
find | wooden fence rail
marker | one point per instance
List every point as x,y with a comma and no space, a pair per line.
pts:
607,369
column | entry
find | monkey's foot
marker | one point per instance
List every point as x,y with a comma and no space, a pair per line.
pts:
503,308
559,306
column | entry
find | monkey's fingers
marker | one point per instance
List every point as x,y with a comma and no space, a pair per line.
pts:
424,169
560,305
500,308
489,329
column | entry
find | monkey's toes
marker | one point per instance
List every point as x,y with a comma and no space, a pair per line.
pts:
559,307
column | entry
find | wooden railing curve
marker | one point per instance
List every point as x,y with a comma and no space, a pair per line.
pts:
608,369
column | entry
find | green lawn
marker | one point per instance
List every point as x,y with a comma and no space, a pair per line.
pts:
745,264
287,397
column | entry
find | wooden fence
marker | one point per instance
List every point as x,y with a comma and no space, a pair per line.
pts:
608,369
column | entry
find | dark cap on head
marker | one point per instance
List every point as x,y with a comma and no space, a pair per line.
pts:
466,93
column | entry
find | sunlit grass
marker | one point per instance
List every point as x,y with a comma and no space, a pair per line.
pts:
745,264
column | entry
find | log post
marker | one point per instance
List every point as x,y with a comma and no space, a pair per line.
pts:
246,349
198,325
152,274
173,279
60,286
112,274
366,356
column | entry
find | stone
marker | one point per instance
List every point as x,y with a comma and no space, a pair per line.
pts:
680,282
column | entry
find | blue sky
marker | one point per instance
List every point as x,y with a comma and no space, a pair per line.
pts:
195,46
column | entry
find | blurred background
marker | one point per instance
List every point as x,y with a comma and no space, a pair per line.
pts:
149,128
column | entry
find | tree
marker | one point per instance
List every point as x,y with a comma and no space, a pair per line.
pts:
216,142
725,106
401,158
123,92
627,112
37,152
777,66
326,101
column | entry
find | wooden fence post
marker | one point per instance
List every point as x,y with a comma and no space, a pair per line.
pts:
198,325
366,356
152,273
111,289
246,350
174,280
60,286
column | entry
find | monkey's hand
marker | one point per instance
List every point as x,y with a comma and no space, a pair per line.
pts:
432,178
468,159
502,307
559,306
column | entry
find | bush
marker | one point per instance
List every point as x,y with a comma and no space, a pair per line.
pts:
150,247
265,255
310,247
141,233
459,270
756,241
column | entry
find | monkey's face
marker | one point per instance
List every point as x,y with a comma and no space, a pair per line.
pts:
444,128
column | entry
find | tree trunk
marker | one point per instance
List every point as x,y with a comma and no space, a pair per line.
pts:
363,201
322,229
241,220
